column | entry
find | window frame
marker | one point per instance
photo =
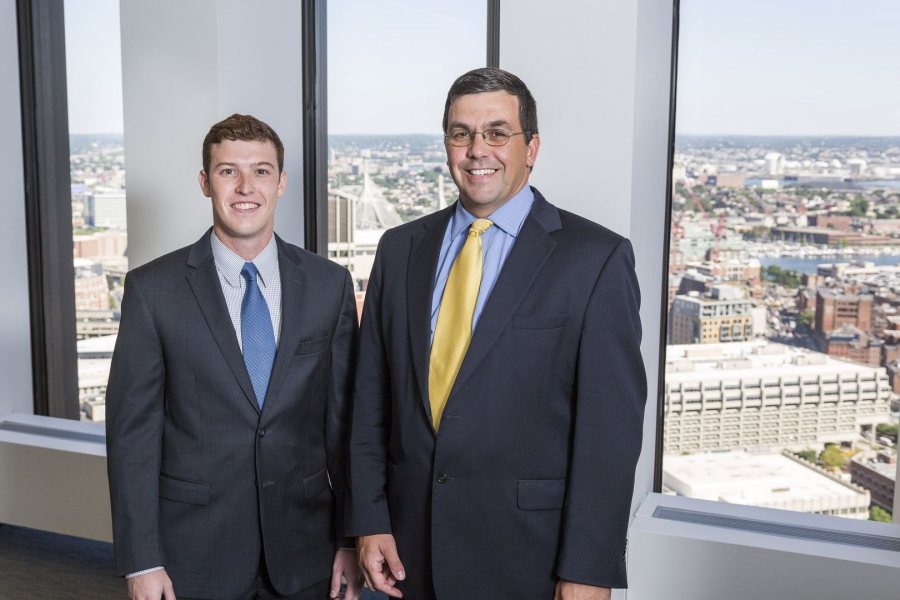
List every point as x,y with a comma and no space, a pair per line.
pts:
315,115
48,206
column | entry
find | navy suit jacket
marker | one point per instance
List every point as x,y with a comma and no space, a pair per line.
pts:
531,474
202,481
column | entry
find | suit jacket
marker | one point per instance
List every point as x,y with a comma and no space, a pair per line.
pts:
202,481
531,474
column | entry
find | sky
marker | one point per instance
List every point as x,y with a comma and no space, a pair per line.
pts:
93,66
390,63
789,67
764,67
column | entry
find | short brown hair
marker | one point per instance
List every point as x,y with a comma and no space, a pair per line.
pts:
489,79
241,127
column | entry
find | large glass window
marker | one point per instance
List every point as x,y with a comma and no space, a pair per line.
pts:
390,65
783,352
99,227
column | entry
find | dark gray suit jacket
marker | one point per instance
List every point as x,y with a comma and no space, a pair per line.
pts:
201,481
531,475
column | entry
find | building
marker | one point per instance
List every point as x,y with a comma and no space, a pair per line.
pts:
849,343
111,242
763,395
91,286
106,208
771,480
723,315
834,309
877,476
94,361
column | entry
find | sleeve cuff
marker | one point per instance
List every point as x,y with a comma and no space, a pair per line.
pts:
144,572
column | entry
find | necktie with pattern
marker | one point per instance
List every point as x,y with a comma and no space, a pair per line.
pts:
257,335
454,324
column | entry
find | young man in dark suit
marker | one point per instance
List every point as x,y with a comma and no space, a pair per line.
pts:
500,388
228,400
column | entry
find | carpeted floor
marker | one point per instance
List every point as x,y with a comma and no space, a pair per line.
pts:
36,565
39,565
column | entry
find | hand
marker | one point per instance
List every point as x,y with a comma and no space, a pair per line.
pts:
151,586
569,590
346,565
380,563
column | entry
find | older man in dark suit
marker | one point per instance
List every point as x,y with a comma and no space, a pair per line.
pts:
500,388
228,400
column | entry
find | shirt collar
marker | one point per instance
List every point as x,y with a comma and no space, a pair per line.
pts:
508,217
230,264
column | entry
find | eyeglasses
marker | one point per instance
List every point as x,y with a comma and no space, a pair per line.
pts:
491,137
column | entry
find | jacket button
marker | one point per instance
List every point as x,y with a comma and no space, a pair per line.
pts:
263,432
442,478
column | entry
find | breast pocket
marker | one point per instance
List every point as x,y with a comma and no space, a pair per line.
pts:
539,321
312,346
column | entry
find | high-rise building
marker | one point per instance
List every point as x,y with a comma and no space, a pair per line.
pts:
107,209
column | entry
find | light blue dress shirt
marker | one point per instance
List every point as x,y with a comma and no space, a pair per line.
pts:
496,243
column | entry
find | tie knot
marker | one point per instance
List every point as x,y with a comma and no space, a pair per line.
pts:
249,272
479,226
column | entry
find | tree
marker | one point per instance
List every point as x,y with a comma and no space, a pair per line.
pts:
888,430
832,457
876,513
806,318
809,455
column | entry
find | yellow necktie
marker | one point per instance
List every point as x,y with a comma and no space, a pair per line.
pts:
454,324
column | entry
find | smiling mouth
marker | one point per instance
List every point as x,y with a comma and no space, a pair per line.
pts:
245,205
481,172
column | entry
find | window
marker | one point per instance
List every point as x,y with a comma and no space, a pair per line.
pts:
97,158
785,202
389,68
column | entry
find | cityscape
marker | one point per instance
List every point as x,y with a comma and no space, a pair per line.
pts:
783,358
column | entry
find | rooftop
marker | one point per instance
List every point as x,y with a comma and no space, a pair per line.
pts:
754,479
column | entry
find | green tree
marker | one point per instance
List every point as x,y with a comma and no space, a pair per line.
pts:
888,430
809,455
832,457
806,318
876,513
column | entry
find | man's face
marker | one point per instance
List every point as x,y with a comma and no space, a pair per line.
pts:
244,185
488,176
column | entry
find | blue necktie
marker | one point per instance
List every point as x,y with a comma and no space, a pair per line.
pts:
257,335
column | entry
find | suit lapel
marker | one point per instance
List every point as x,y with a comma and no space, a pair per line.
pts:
207,289
423,256
526,259
297,305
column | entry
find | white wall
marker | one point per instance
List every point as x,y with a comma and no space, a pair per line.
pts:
15,316
187,65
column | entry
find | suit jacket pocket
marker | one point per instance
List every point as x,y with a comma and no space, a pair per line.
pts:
539,321
315,484
312,346
179,490
541,494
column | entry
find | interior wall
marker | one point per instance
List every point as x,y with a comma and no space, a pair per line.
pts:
187,65
599,72
15,314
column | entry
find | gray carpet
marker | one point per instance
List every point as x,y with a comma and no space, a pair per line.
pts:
36,565
40,565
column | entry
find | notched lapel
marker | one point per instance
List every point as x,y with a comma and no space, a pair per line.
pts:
424,251
526,259
207,289
297,316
